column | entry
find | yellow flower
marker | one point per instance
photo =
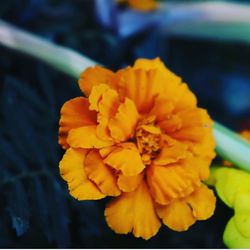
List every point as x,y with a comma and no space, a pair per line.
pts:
233,187
139,137
141,5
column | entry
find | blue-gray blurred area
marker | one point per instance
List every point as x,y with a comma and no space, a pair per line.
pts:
36,209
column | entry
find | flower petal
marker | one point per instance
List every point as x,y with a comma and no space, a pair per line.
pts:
177,215
151,64
141,87
75,113
122,126
72,170
205,148
162,109
171,86
171,153
96,95
171,123
127,160
133,212
108,107
184,98
202,202
129,183
101,174
94,76
193,126
104,152
170,182
85,137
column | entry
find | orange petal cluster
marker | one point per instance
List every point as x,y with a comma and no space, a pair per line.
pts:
141,5
138,136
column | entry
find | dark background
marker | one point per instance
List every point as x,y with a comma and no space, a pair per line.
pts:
35,207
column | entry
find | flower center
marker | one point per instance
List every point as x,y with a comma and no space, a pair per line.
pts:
148,138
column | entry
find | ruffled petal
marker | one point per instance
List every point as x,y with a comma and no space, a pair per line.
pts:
162,109
202,202
171,152
72,170
141,87
133,212
101,174
96,95
202,166
177,215
125,159
180,214
157,64
171,87
122,126
108,107
75,113
94,76
204,148
193,126
171,123
86,137
129,183
170,182
104,152
184,98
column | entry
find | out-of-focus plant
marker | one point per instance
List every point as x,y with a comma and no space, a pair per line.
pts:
206,20
141,5
124,22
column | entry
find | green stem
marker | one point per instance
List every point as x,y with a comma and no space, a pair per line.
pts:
230,146
64,59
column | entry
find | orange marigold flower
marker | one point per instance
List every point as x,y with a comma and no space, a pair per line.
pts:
141,5
139,137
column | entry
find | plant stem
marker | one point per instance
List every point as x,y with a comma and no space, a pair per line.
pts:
64,59
230,146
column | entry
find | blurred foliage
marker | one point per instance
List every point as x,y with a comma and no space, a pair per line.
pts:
33,199
36,209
